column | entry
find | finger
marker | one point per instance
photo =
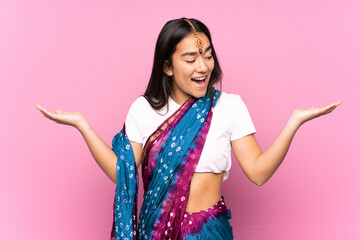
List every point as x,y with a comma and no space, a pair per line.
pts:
329,110
319,110
335,104
330,106
46,113
38,106
44,110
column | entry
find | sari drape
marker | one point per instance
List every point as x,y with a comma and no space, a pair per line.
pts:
169,159
209,224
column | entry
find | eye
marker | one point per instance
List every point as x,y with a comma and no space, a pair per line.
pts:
192,61
209,57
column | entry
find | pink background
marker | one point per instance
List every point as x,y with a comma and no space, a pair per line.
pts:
95,57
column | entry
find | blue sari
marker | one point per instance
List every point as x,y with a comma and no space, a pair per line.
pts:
169,159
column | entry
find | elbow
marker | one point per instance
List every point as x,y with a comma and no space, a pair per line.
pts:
259,181
260,178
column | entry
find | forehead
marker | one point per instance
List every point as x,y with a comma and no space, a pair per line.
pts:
188,43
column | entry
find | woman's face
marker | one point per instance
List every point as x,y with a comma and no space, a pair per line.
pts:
190,70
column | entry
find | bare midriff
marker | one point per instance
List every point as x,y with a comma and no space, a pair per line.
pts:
205,191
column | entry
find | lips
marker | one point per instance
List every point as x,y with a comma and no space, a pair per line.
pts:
199,81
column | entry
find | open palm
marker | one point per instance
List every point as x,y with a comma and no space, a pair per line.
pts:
62,117
304,115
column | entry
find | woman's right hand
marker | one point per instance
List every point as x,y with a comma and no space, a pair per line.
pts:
102,153
67,118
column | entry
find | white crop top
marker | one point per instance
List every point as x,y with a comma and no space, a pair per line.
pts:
231,120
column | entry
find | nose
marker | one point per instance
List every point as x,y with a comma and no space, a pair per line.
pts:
201,67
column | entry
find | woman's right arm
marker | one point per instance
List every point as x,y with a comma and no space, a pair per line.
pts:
103,154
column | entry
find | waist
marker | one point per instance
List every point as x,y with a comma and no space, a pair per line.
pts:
205,191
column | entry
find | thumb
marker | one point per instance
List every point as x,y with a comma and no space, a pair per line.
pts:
59,111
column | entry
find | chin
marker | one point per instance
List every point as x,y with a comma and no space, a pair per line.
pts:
200,94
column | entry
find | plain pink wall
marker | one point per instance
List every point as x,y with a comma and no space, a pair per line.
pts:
95,57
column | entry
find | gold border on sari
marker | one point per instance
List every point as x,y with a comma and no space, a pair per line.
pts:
160,129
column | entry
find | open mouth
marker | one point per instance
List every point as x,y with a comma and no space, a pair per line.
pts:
199,79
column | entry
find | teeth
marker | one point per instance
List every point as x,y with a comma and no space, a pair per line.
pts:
199,79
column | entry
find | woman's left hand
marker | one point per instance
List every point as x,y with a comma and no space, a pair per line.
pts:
303,115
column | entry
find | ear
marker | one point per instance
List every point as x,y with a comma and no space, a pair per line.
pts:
167,68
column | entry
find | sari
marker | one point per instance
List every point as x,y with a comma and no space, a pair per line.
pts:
169,159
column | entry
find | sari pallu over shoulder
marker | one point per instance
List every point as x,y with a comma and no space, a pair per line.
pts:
125,202
169,160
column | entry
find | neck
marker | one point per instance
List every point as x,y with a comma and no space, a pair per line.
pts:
179,98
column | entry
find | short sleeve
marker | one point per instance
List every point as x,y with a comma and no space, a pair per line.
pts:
132,122
243,124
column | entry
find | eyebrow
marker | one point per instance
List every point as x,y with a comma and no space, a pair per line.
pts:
194,53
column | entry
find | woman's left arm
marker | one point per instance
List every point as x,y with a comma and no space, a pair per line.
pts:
260,166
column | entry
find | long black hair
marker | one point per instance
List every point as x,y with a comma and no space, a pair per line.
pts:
160,85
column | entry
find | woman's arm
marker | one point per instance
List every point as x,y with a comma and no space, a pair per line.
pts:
260,166
103,154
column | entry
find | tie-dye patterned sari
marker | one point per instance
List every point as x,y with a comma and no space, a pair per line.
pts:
169,159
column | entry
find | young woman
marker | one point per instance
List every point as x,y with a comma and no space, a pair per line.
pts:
181,132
